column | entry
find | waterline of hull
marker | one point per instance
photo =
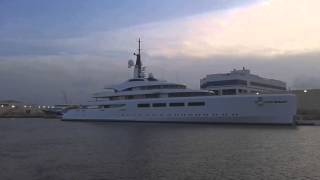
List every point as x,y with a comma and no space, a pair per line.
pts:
244,120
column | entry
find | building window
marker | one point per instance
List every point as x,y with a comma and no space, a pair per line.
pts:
159,105
196,103
143,105
224,83
267,86
176,104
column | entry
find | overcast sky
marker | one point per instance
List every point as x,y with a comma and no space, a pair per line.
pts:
76,47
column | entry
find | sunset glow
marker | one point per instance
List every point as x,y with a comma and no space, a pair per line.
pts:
275,27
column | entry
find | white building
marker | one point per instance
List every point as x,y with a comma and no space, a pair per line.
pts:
241,82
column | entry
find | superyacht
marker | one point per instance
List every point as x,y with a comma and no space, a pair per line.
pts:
147,99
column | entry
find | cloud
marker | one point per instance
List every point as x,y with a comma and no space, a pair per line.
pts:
261,28
43,79
266,28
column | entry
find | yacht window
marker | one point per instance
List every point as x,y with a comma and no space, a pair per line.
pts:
93,107
119,98
176,104
189,94
152,95
128,89
139,96
131,80
215,92
196,103
114,106
130,97
159,105
117,105
156,87
143,105
241,91
114,98
229,91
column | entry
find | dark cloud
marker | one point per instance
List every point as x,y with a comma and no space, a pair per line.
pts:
44,80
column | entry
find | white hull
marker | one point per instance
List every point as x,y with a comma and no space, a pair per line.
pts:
256,109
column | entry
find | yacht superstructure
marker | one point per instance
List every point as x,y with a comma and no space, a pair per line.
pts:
151,100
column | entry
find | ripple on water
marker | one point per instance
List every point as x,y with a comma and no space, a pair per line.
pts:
53,149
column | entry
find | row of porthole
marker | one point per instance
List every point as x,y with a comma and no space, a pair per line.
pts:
184,115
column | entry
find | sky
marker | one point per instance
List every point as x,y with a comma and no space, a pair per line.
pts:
76,47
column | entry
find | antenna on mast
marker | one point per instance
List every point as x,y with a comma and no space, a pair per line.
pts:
139,46
138,70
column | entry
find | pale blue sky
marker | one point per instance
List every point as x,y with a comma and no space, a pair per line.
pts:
58,18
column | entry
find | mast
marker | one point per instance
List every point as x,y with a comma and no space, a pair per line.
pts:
139,46
138,66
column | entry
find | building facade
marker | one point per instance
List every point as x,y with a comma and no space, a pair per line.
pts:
241,82
308,99
308,104
11,108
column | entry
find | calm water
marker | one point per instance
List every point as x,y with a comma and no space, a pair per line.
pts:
52,149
